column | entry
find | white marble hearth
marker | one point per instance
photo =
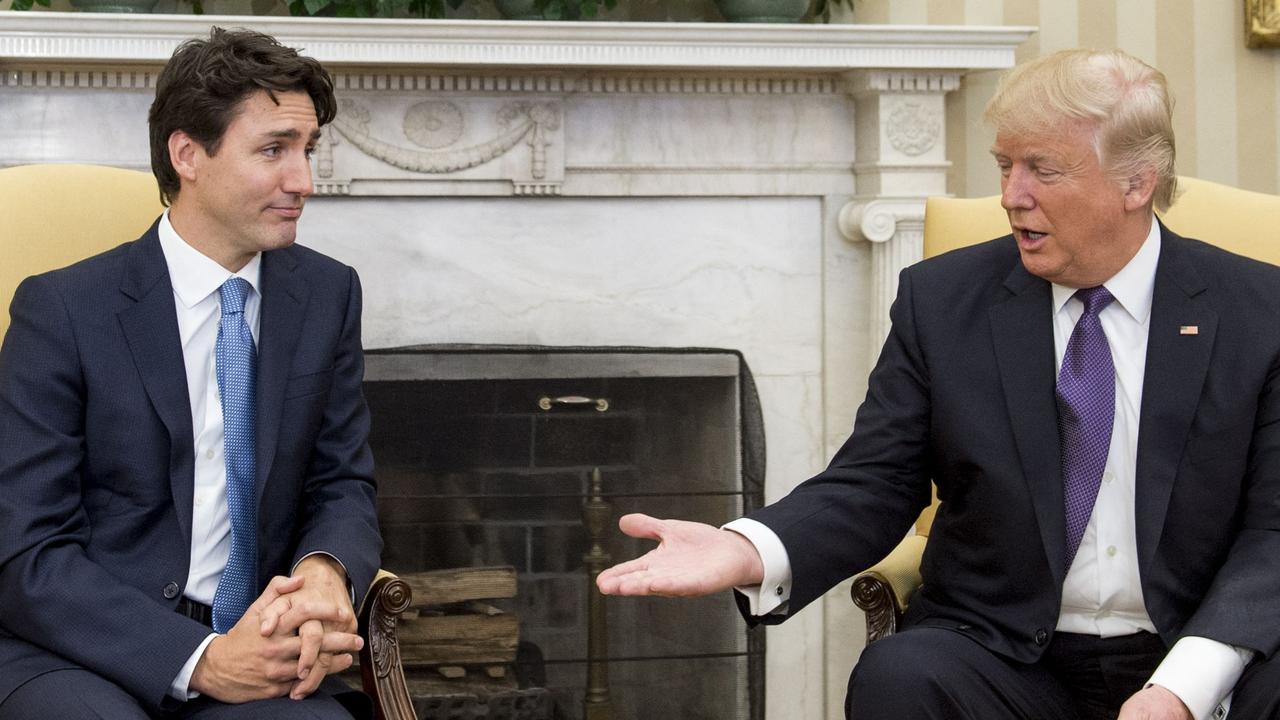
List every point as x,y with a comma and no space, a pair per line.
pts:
755,188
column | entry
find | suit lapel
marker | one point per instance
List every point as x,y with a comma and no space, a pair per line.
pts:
150,328
1176,367
1022,329
284,297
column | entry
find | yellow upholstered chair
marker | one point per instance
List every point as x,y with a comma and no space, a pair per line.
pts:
1238,220
52,216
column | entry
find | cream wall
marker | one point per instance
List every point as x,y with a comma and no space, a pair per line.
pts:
1226,95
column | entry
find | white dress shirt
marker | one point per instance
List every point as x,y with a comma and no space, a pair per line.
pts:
1102,593
196,279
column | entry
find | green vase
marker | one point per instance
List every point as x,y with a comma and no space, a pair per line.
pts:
518,9
763,11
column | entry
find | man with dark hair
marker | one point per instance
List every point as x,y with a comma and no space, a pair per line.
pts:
183,420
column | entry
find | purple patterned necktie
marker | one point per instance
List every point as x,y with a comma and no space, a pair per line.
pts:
1086,411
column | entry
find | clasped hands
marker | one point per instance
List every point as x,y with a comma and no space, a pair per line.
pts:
299,630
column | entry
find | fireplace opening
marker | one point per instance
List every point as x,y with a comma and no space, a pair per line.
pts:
499,458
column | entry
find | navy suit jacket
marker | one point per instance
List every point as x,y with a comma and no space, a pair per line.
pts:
963,395
96,458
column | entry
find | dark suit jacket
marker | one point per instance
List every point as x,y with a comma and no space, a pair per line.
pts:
963,395
96,458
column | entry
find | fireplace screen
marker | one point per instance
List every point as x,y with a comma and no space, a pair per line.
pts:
492,459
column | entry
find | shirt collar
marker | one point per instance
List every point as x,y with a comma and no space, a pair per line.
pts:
1133,286
195,275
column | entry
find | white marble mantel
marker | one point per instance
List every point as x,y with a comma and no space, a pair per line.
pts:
115,39
649,184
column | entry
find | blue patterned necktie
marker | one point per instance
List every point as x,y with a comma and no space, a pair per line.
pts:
1086,412
237,369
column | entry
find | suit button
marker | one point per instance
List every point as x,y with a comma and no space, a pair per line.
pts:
1042,637
171,590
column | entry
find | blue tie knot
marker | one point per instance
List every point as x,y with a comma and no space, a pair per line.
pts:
232,295
1095,299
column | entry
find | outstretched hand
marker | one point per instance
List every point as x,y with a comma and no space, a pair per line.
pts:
1154,703
691,559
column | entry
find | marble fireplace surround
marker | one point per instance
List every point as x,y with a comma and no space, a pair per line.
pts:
648,184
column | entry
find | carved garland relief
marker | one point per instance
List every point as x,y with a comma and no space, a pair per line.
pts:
434,129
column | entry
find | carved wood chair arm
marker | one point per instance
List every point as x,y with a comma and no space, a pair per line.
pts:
380,667
884,590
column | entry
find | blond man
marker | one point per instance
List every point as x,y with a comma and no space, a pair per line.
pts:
1109,530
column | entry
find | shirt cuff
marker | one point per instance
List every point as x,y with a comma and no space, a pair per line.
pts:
1202,673
351,590
179,688
771,595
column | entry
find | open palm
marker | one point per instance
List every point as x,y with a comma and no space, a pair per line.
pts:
691,559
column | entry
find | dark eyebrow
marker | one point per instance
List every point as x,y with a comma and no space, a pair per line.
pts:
293,134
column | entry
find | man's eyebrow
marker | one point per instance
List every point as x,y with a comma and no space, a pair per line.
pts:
293,134
1032,156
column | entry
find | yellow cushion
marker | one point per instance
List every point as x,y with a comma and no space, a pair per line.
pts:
1241,221
53,215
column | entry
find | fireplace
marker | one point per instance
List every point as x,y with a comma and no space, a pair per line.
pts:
747,187
486,457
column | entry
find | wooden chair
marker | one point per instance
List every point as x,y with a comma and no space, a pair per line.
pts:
54,215
1238,220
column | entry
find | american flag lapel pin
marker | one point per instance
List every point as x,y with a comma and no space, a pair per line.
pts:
1188,329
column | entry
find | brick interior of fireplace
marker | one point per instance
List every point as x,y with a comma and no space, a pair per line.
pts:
472,472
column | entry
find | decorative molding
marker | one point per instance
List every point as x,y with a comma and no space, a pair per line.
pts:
877,221
895,227
520,119
453,82
530,189
339,42
93,79
623,81
434,124
340,187
812,168
880,82
324,152
685,84
881,166
37,75
913,127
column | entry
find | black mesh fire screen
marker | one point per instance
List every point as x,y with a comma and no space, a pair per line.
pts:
486,457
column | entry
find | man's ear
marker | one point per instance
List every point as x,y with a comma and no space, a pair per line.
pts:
1140,187
184,154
